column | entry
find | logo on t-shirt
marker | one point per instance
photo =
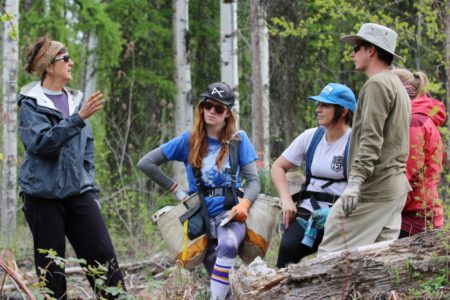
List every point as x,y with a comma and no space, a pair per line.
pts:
337,164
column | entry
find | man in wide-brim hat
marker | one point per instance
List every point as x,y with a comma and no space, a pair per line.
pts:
369,209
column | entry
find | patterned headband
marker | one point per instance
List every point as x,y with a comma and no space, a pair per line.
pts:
45,56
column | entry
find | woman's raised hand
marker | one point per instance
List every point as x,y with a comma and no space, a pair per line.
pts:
92,105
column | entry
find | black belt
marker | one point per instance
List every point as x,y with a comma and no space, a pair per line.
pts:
221,191
322,197
212,192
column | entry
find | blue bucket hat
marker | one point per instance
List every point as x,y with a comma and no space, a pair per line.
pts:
338,94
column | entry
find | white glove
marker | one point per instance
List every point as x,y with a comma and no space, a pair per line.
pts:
181,194
350,196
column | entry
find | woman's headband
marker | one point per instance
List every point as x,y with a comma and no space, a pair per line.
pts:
46,55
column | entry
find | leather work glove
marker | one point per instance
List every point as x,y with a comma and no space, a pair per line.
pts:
241,210
181,194
350,196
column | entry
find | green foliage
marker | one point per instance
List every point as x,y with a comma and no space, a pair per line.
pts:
267,186
135,69
8,18
432,288
98,272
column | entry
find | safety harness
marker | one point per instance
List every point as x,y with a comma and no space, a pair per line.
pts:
317,219
231,193
317,137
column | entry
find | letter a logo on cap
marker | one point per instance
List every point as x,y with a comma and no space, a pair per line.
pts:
215,90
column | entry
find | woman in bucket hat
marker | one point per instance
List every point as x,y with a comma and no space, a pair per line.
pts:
205,152
326,174
57,177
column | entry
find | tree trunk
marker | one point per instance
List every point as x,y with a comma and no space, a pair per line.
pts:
374,271
183,103
264,59
90,74
229,49
257,107
9,88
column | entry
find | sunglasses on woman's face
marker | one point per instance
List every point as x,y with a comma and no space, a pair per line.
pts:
65,58
219,109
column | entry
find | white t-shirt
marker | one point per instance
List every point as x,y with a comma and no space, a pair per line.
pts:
328,162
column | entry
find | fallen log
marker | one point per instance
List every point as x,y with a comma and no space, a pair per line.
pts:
371,272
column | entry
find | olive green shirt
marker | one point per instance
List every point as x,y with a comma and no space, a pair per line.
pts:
380,138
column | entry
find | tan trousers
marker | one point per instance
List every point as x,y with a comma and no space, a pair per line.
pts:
369,223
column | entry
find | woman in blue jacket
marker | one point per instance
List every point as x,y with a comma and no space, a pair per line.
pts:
57,178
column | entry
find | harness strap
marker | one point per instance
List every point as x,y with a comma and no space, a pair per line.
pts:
221,191
185,240
322,197
317,137
330,181
230,198
204,208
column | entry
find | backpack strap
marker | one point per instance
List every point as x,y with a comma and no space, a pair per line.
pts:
233,152
310,155
310,152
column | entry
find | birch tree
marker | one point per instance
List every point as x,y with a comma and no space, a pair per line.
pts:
89,83
260,83
265,96
183,103
229,49
10,49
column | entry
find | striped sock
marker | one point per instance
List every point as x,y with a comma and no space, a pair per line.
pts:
219,277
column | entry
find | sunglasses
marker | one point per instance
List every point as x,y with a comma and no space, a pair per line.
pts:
356,48
65,58
219,109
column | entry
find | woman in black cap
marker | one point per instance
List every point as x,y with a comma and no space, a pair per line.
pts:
205,152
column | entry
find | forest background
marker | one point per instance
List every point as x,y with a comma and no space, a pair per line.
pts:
134,66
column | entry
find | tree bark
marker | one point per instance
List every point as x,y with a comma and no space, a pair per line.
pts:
265,98
374,271
257,106
9,87
229,49
90,69
183,103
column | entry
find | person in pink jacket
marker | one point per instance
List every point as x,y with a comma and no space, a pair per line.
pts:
423,209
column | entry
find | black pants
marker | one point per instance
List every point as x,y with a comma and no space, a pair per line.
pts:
291,248
79,218
404,234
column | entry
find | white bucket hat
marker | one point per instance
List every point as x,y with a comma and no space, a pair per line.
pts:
376,34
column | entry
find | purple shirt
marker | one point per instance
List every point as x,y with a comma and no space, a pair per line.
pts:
60,100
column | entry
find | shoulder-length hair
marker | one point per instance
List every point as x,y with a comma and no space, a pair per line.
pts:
198,142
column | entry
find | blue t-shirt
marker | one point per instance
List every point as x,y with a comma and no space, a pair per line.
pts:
178,149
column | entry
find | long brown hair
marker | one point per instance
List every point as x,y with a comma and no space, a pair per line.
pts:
198,142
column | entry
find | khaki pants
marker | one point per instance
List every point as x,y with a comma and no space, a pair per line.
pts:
369,223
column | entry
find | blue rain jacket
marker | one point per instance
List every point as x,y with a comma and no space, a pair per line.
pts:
59,159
